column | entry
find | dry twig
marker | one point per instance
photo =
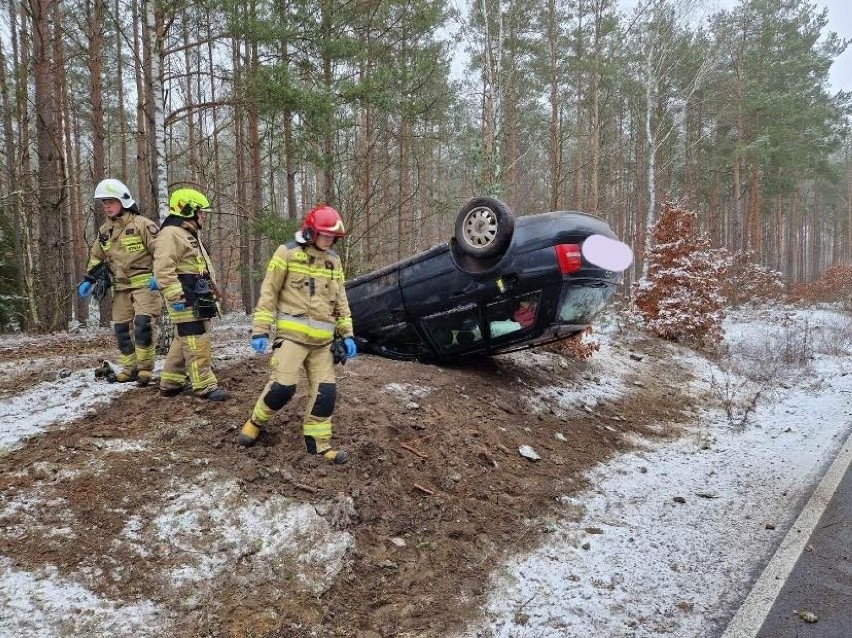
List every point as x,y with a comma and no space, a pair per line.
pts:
425,490
405,446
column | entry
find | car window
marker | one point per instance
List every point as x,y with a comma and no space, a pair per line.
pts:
515,315
581,304
455,330
400,339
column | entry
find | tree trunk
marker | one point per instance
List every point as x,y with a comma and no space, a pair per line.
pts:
555,146
95,34
848,247
159,207
119,81
192,145
754,207
52,311
143,104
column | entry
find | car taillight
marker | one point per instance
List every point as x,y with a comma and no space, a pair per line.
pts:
569,257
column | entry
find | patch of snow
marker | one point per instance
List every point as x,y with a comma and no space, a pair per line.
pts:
30,511
32,412
211,526
63,400
667,539
46,604
120,445
407,390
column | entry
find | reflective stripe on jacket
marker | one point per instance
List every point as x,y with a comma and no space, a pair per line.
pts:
126,243
303,296
179,252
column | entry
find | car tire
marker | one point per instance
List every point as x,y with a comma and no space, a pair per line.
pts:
484,227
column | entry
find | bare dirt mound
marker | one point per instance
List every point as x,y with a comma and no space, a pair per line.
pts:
435,494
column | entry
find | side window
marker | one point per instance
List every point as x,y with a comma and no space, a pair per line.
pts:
510,316
455,330
402,340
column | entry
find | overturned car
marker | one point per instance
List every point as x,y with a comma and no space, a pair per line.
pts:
501,284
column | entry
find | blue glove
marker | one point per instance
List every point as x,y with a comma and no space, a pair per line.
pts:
178,306
152,283
351,349
259,343
84,289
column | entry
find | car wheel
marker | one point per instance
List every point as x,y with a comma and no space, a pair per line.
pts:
484,227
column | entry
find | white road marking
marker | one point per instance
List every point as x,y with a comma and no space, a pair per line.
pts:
752,614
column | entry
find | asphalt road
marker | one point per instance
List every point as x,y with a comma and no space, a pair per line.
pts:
821,580
806,589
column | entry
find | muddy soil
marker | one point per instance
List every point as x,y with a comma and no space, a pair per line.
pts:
435,493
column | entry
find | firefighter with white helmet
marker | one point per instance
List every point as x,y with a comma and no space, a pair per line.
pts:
184,273
122,258
303,306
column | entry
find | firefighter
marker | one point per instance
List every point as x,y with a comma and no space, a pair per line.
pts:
184,274
122,257
303,299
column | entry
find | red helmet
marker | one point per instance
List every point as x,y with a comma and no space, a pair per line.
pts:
322,219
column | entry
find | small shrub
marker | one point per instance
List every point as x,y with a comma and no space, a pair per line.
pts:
749,282
834,284
680,300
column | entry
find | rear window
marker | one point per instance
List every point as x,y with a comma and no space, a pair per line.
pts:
580,304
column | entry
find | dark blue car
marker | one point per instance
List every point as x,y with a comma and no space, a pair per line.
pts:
500,284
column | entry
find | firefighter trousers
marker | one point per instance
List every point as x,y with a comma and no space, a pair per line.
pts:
190,355
288,360
134,321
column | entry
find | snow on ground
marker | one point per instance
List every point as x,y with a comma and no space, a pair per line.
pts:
46,604
667,540
50,402
213,522
664,543
603,379
73,393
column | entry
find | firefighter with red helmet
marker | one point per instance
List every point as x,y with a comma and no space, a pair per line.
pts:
122,258
302,307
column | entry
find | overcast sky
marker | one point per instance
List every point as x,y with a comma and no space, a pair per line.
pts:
839,21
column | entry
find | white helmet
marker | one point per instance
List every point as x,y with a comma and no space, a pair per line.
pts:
114,189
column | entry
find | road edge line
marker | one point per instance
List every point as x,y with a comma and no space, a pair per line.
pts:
753,612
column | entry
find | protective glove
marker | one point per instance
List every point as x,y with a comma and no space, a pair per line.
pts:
178,306
84,289
259,343
152,283
351,349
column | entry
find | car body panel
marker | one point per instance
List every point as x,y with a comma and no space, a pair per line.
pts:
441,304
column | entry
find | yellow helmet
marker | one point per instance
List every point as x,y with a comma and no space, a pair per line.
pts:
188,202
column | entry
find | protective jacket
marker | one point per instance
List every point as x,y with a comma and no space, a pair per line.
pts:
126,244
184,271
303,297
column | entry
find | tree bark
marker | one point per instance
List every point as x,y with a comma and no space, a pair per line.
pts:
52,310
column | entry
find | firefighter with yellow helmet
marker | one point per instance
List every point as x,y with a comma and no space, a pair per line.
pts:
303,304
184,273
122,258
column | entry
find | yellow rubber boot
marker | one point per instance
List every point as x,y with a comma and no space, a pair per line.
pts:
322,447
249,433
143,378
